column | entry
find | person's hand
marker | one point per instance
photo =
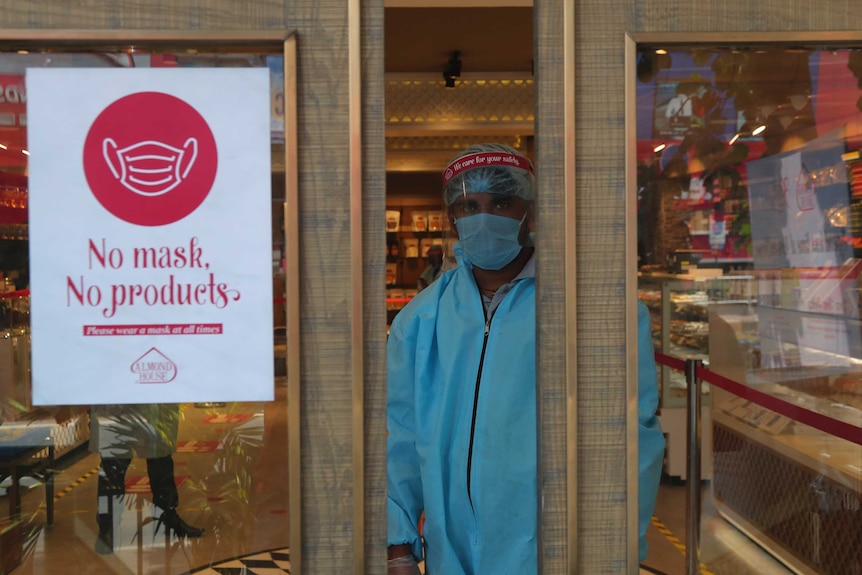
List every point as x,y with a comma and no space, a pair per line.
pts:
404,565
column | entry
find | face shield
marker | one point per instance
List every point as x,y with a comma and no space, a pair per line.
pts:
489,194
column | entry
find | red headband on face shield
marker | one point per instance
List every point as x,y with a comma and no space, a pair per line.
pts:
483,160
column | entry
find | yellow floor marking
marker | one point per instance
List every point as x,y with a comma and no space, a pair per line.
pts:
704,570
65,491
76,483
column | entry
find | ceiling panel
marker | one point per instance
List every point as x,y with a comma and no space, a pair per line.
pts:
489,39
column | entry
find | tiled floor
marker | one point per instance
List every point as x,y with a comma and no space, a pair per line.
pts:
267,563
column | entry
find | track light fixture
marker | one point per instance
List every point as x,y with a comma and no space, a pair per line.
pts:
452,70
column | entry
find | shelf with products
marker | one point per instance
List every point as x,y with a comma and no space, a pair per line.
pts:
413,225
13,214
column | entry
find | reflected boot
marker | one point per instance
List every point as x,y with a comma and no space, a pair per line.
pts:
173,522
165,497
105,540
112,474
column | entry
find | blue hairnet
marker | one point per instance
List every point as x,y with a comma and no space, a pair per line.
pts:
507,180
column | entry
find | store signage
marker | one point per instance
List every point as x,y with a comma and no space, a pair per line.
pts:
13,121
150,235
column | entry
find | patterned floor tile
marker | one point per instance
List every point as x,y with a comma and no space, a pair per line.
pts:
276,562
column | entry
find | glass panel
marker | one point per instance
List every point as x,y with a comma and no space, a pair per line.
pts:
749,245
143,488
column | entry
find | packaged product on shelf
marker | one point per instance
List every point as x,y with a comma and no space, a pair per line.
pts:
424,246
393,220
420,221
411,247
391,274
435,221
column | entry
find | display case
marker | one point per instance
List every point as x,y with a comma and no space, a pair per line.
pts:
678,306
68,429
685,310
794,487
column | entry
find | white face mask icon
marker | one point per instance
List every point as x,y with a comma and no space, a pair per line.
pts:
150,168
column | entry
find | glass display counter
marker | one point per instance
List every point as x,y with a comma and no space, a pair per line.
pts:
796,487
678,316
685,310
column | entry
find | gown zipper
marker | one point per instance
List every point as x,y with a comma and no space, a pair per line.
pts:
475,408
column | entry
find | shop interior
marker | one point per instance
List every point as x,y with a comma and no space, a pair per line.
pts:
472,84
443,91
748,180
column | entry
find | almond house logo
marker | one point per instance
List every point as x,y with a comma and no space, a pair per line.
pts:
154,367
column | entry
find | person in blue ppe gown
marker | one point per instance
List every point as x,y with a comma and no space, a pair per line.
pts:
461,416
650,436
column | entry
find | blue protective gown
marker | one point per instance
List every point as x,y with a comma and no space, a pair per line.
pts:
462,443
650,436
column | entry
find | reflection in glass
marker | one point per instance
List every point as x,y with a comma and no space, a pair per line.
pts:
120,433
163,488
750,251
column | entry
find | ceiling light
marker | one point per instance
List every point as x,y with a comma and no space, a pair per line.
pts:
758,130
734,139
3,147
659,148
25,152
661,51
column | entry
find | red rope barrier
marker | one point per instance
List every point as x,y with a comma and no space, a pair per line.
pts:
813,419
14,294
670,361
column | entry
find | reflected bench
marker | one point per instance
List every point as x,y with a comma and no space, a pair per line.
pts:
27,451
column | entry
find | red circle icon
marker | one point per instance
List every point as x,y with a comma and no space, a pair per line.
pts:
150,158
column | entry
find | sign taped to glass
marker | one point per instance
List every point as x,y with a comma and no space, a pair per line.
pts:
148,284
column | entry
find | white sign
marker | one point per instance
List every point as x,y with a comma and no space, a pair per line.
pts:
150,235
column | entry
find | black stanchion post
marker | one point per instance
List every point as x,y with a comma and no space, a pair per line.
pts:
692,536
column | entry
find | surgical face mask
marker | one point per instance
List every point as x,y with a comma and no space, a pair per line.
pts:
489,241
150,168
